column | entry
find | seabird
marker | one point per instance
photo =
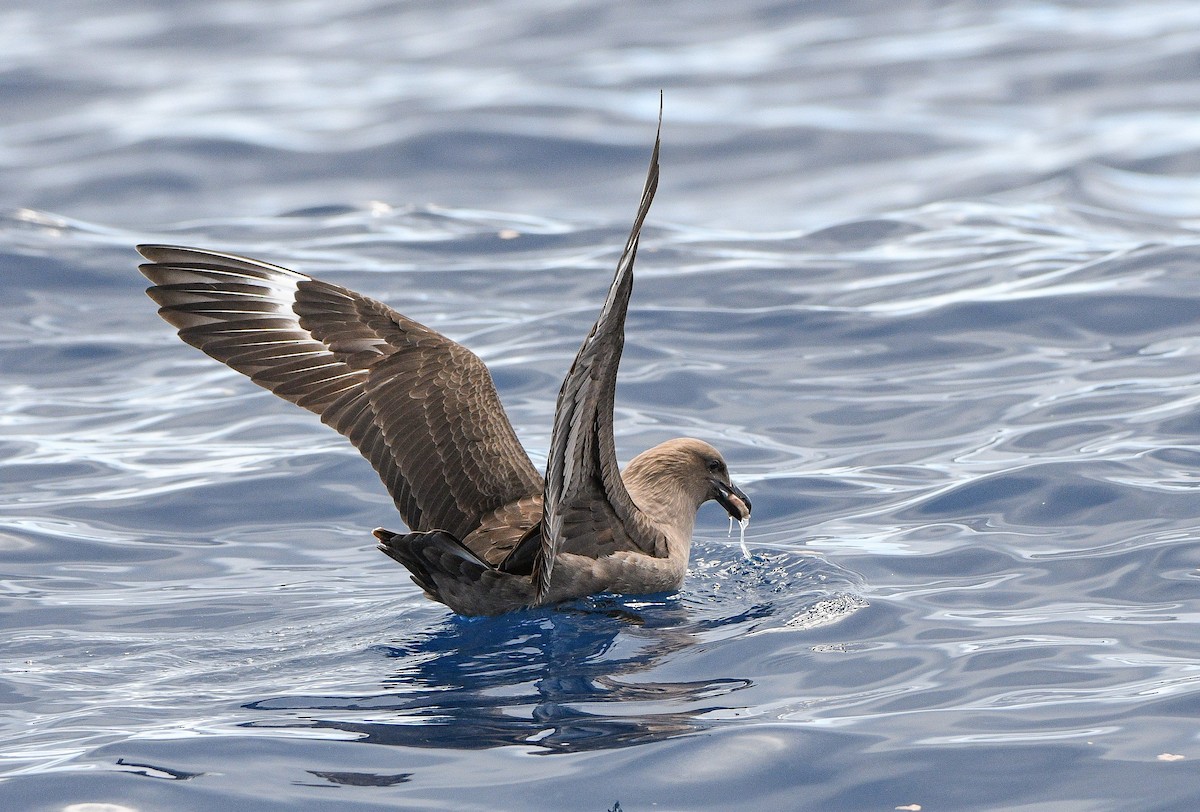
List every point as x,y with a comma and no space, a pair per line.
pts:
488,535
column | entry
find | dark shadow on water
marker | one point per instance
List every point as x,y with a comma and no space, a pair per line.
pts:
563,679
154,771
347,779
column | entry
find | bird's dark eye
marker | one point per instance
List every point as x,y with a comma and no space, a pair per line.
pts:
716,466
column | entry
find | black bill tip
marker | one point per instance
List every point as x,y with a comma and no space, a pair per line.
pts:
730,497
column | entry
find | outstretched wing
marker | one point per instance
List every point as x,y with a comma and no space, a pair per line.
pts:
420,407
587,509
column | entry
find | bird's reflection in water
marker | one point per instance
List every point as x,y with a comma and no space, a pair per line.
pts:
558,679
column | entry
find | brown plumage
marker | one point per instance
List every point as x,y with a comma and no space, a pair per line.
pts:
487,534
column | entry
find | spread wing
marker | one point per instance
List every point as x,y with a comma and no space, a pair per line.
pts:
420,407
587,509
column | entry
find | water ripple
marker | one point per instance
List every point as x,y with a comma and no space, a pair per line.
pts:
927,276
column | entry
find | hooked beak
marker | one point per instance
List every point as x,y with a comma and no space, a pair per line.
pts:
730,497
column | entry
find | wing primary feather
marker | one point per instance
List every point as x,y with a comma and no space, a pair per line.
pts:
364,368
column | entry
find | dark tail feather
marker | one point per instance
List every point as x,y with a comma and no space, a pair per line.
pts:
429,554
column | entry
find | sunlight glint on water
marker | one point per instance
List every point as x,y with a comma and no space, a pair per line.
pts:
926,274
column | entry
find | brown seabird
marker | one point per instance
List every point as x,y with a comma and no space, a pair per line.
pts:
488,534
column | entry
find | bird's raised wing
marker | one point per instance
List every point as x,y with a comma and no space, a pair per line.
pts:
587,509
420,407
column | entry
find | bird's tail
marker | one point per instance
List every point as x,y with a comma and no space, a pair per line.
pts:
431,557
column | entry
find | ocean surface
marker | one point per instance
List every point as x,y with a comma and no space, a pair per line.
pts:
927,272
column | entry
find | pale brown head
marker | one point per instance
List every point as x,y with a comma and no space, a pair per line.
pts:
690,467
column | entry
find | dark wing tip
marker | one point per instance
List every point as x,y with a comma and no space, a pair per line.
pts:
160,252
150,250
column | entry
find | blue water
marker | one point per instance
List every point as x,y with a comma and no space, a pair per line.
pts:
927,273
